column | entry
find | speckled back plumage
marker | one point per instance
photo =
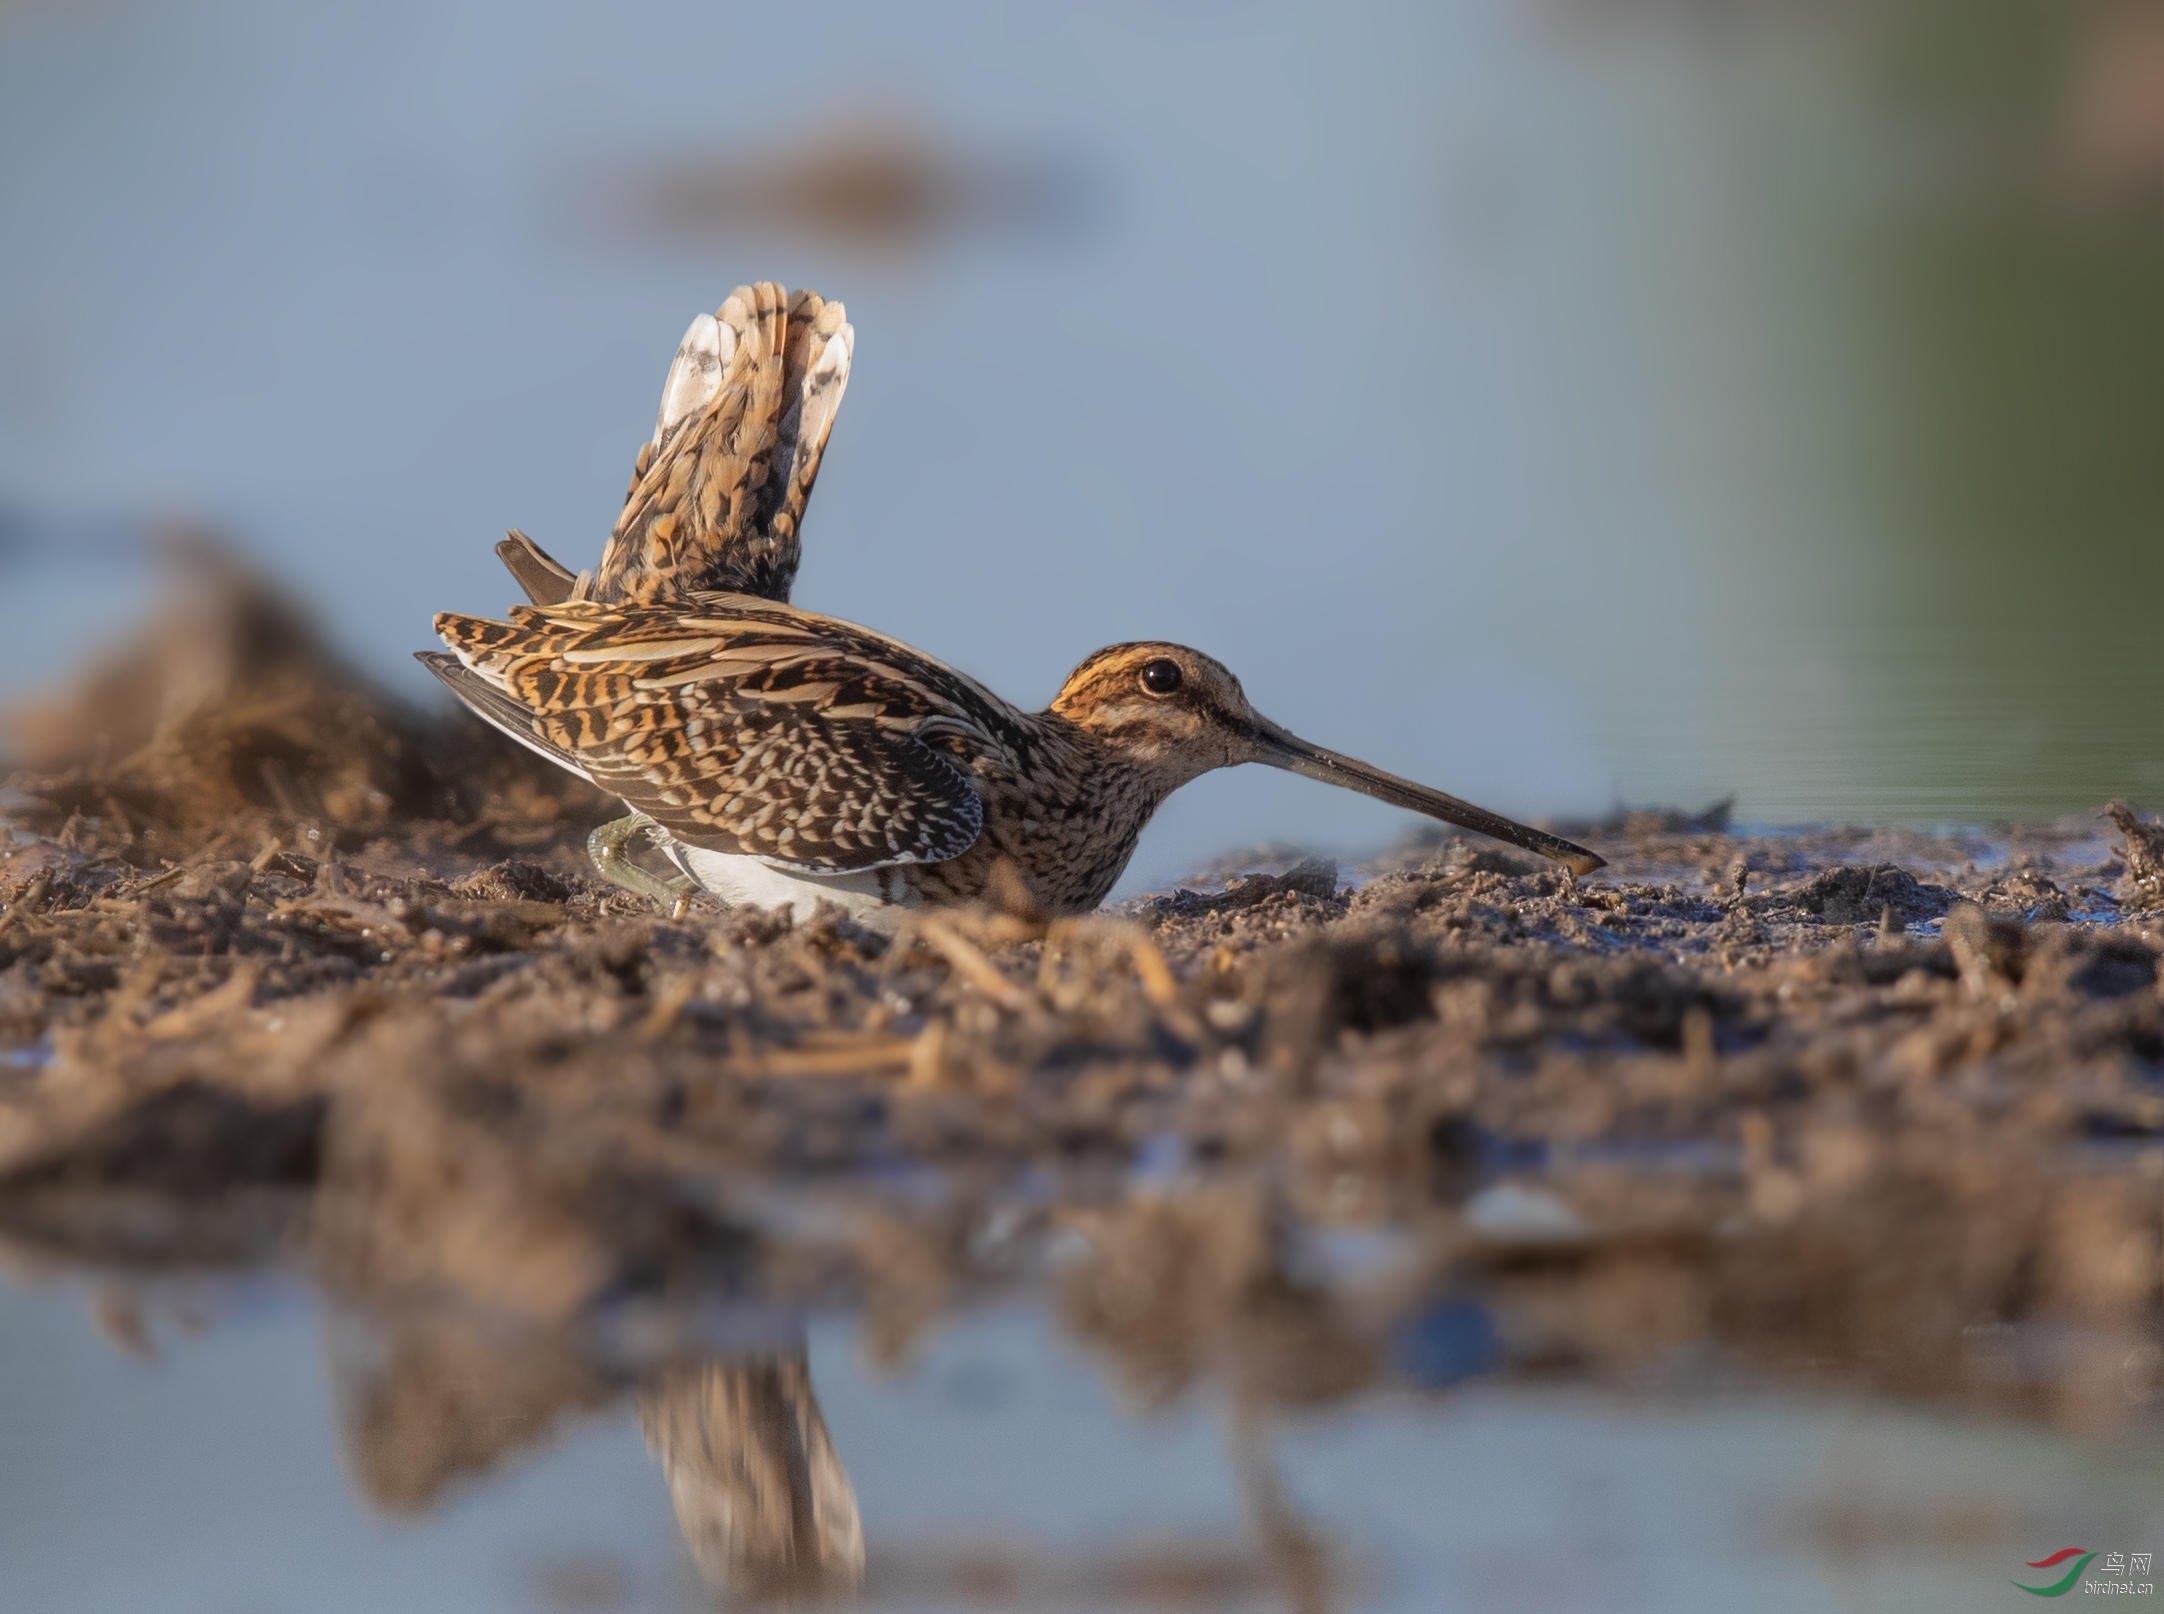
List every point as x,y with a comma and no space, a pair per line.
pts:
718,495
819,747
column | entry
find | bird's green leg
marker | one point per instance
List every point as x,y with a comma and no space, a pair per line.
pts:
606,847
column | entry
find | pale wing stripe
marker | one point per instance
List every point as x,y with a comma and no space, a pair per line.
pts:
749,620
726,666
738,659
640,650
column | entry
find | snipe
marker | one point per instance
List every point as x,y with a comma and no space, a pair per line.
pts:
781,758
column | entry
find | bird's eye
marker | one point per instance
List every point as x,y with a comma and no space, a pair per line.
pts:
1162,676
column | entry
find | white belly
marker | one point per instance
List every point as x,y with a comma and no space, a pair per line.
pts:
874,899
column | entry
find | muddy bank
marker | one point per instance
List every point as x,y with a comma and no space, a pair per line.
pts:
291,973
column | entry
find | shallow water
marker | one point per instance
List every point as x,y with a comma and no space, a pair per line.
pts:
999,1469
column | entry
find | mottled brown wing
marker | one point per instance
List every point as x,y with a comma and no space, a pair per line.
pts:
789,787
718,495
757,734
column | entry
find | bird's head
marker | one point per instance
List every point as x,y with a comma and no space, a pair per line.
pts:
1162,706
1179,714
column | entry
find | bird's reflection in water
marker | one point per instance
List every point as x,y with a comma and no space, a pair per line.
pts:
760,1494
431,1404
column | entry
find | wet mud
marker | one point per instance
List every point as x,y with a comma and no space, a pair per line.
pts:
293,974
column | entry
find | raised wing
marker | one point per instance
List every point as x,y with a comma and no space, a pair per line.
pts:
803,742
718,495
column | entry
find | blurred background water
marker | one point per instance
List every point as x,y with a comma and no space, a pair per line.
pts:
1562,401
1559,402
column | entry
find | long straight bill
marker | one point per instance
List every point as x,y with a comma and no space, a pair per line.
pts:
1288,751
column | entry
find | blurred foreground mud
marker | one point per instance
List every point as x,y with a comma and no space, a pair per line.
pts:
290,973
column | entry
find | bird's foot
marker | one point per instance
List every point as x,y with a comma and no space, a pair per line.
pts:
606,847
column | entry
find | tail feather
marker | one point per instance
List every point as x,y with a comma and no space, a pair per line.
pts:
719,492
815,373
702,361
545,579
